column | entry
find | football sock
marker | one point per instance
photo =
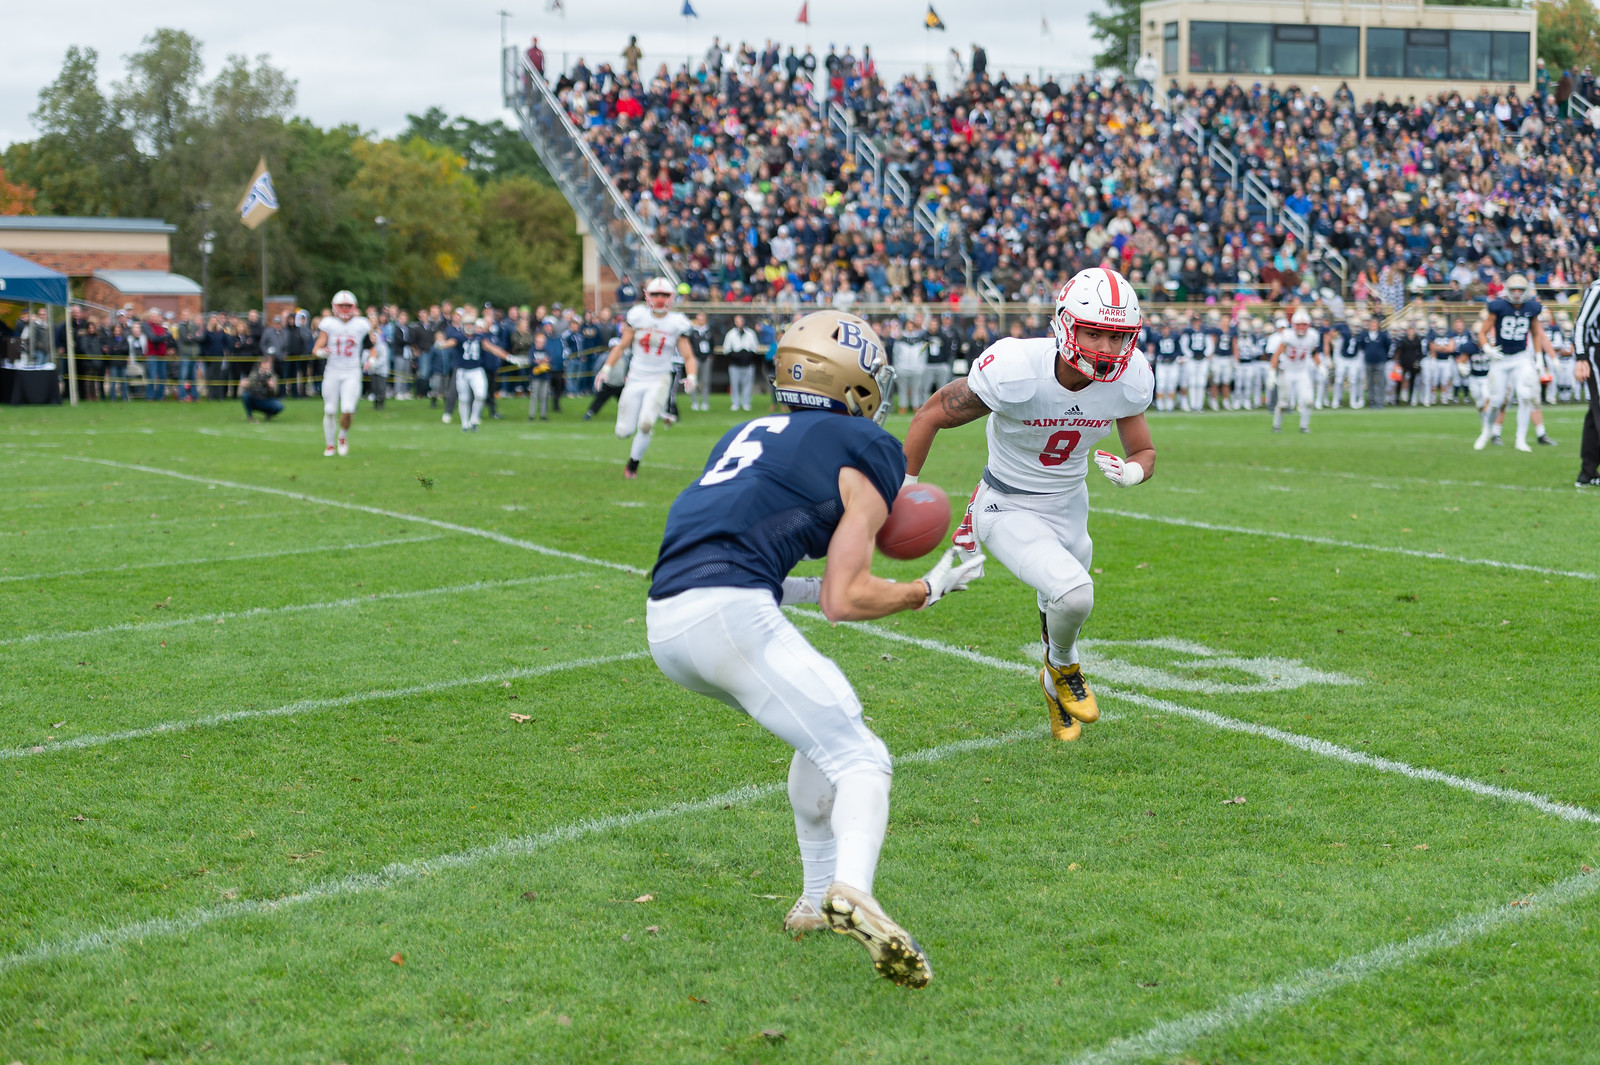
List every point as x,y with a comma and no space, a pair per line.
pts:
811,797
1538,430
1063,619
641,444
1277,418
330,428
1305,417
860,819
1524,414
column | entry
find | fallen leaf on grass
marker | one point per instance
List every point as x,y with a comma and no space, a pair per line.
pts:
58,724
653,929
79,817
1237,800
645,898
1526,900
397,958
701,1001
1142,565
35,750
303,857
164,604
1073,867
1149,983
767,896
530,895
1587,868
230,894
627,938
771,1035
505,684
521,718
1420,847
563,1020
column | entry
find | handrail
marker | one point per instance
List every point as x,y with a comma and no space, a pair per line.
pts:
517,68
1254,186
1190,128
1225,159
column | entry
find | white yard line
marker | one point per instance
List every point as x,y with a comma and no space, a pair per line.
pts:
1171,1038
449,526
1308,744
403,872
302,706
1327,541
292,608
1350,476
127,566
75,529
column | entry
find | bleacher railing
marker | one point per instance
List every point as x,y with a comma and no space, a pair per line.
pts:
620,236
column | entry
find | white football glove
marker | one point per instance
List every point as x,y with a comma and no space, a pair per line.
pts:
1127,474
1494,353
954,570
689,383
908,480
801,590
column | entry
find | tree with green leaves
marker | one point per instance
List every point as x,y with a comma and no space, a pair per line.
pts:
1117,30
491,149
1569,35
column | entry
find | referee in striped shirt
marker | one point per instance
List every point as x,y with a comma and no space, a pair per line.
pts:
1587,343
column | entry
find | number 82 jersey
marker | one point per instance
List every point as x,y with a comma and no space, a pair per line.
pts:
1041,434
769,497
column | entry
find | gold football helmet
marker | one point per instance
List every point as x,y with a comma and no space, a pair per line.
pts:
830,360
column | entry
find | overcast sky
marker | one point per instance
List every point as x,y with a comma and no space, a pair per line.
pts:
380,61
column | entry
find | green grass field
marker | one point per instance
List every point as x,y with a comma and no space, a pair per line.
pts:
270,796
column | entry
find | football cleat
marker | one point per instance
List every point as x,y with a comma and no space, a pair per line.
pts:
1545,441
1482,441
328,452
804,917
1522,445
1497,441
344,447
895,955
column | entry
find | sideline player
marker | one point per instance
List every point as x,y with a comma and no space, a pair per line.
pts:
817,481
653,335
1048,401
1563,386
1225,338
1248,390
1339,348
1169,373
1292,361
1510,334
342,339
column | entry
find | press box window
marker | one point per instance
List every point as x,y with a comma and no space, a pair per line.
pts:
1467,55
1262,48
1169,48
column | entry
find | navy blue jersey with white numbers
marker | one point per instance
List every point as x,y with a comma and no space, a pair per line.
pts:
1166,347
1194,343
769,496
1477,361
1340,346
1513,322
1223,342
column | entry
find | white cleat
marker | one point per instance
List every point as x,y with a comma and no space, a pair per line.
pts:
1522,445
895,955
328,452
344,448
804,917
445,418
1482,441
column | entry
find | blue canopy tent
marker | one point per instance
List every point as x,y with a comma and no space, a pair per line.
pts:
24,281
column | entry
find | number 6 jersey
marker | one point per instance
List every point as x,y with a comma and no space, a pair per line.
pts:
768,497
1041,434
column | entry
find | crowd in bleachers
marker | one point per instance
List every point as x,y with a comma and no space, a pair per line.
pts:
743,180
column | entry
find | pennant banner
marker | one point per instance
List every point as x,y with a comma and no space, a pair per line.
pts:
260,199
805,14
932,20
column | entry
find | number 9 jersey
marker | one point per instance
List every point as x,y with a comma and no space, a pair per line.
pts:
1040,433
769,497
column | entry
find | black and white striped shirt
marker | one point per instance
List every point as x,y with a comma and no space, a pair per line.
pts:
1586,330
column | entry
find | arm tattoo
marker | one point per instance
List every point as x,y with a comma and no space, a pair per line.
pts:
959,404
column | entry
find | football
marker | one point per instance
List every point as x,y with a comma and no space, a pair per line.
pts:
918,522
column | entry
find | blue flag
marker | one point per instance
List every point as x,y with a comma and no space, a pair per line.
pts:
688,10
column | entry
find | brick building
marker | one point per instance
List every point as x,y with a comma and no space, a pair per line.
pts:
112,261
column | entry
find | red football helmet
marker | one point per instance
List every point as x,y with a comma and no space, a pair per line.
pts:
1098,298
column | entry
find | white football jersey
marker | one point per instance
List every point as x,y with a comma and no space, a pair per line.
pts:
1295,351
1041,434
345,342
655,342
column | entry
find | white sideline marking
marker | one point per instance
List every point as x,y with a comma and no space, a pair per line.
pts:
127,566
1328,541
292,608
450,526
1169,1038
79,743
1566,811
400,872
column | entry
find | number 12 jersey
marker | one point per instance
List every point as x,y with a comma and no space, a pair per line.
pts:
1041,434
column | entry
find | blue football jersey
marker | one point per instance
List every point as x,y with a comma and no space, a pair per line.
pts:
769,497
1513,322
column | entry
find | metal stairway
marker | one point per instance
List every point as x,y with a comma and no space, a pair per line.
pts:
620,235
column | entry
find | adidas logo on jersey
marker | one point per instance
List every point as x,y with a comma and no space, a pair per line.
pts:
992,508
1074,410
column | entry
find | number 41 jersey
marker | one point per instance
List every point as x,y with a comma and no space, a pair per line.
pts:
769,496
1041,434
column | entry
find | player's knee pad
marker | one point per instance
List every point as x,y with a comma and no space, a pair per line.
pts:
1071,606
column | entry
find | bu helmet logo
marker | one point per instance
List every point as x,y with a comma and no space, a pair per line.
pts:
867,353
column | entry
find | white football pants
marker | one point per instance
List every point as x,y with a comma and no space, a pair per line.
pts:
472,389
341,391
1347,377
1044,541
1295,389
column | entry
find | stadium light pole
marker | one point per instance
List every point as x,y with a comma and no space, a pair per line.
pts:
383,282
207,246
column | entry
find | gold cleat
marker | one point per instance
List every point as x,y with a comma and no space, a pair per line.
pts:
1069,714
895,955
804,917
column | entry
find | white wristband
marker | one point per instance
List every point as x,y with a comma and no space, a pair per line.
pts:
909,479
